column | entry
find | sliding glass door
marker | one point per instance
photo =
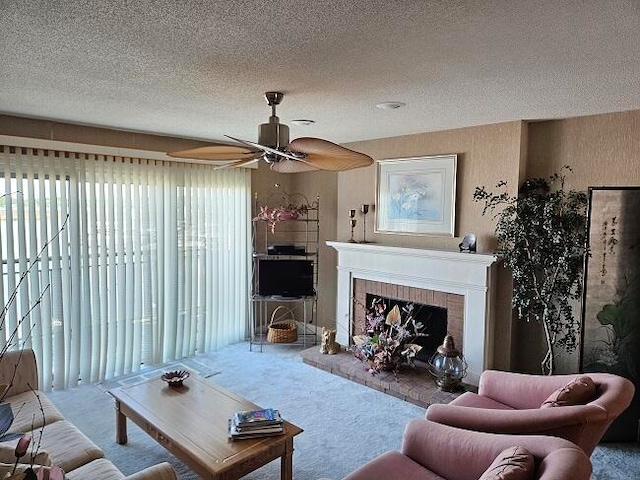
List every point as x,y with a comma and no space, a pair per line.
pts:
111,263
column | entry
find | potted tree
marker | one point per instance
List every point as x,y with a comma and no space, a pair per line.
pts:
542,238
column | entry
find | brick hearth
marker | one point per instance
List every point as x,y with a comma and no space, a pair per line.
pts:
412,385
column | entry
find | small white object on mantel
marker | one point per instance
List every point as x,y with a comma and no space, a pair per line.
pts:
468,274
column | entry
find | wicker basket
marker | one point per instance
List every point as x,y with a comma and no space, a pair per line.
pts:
282,331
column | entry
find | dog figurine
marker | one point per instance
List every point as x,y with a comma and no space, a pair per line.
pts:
329,344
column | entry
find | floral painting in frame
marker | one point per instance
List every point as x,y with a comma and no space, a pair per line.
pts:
611,309
416,196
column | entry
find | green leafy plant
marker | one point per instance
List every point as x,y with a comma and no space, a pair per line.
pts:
542,238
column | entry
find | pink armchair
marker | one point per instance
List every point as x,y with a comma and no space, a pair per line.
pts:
431,451
510,403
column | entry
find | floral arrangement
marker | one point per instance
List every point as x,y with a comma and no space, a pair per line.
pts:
386,342
282,213
286,210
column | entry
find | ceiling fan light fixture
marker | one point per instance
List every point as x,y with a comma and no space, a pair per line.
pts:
274,135
390,105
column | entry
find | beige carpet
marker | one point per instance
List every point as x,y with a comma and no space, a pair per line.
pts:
345,424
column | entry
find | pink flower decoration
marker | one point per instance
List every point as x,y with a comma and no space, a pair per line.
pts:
23,446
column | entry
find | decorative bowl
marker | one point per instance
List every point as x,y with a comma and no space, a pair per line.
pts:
175,378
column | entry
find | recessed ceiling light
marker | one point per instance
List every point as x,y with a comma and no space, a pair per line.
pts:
390,105
303,122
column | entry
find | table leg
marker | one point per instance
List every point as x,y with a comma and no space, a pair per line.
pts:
286,461
121,425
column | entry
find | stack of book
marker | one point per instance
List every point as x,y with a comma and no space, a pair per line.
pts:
255,423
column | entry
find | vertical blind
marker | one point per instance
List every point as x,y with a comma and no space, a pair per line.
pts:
112,263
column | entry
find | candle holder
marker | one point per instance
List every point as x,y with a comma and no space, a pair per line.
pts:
364,208
352,222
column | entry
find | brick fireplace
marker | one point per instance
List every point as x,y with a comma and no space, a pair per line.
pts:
461,282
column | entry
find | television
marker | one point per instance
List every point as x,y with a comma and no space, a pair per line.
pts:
285,278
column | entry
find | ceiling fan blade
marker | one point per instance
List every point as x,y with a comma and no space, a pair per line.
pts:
264,148
216,152
325,155
292,166
242,162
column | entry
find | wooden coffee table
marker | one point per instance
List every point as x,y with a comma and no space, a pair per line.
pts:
192,423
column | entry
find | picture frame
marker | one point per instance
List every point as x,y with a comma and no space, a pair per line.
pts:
611,304
416,196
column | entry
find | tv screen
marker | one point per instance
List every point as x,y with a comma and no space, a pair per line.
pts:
285,278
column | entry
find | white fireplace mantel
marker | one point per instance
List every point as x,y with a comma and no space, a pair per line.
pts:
467,274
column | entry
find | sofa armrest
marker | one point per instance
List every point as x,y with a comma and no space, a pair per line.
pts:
19,370
519,390
534,420
161,471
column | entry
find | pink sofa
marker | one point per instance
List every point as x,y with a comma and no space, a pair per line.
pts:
510,403
431,451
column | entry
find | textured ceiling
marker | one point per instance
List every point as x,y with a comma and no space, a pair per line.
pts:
199,68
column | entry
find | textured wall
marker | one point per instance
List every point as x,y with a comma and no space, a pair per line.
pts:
601,149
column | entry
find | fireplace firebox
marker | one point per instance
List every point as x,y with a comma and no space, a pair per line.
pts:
432,318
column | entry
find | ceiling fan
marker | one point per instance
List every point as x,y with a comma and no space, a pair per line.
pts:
303,154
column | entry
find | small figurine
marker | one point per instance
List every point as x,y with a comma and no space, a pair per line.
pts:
468,243
329,344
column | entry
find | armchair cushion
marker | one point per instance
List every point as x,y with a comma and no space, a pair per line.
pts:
8,454
469,399
19,370
31,410
67,446
161,471
103,469
577,392
513,463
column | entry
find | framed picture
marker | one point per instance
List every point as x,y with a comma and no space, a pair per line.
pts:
611,296
416,196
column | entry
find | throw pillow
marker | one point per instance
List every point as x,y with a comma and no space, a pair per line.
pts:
513,463
577,392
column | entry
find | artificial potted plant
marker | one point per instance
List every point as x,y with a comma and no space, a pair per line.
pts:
542,238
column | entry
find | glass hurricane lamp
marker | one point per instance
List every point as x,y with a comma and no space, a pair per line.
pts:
448,365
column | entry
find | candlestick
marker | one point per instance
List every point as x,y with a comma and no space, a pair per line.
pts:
364,208
352,221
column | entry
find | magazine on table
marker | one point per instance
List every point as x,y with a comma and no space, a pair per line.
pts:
264,416
266,431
